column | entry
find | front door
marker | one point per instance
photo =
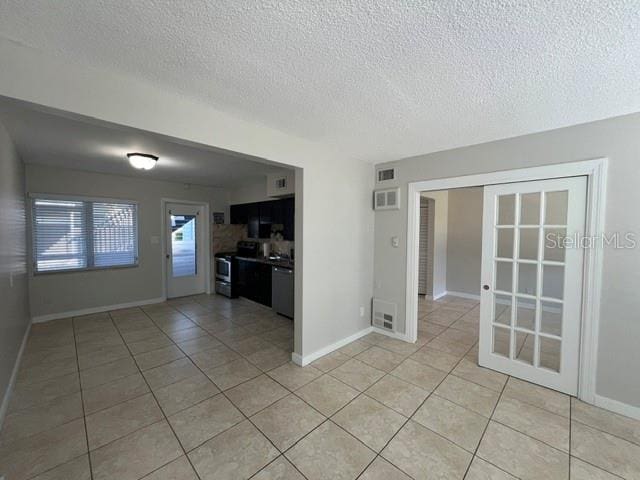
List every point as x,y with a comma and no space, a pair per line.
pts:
532,269
185,254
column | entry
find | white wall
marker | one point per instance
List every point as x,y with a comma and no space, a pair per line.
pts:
617,139
333,194
63,292
249,192
14,306
440,240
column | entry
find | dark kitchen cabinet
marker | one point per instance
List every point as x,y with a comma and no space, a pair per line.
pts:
254,281
261,215
289,218
253,220
266,213
239,214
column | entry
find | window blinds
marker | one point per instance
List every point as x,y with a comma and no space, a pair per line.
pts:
76,234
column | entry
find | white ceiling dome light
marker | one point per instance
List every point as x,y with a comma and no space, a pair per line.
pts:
142,161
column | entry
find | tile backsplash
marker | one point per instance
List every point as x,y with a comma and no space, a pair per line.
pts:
226,236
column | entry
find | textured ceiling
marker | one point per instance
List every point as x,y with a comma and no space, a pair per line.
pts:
47,138
378,79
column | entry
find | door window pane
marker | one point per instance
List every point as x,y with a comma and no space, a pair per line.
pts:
505,242
551,318
556,208
527,278
529,243
501,341
530,209
525,313
550,350
553,281
524,347
504,275
554,244
506,209
502,309
183,245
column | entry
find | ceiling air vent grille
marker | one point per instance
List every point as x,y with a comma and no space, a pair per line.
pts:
384,314
386,174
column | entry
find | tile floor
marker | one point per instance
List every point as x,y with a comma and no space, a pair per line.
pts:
202,388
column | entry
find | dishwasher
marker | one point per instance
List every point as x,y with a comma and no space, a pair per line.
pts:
282,291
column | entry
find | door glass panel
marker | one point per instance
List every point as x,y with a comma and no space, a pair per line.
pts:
504,275
553,281
502,309
529,243
183,245
556,208
506,209
526,313
550,350
554,244
524,347
530,209
501,341
505,242
551,318
527,278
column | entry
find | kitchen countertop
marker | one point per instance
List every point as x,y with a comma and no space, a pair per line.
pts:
274,263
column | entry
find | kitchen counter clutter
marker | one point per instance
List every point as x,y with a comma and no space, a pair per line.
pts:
283,262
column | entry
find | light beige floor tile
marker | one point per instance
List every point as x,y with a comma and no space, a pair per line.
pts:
120,420
463,427
235,454
329,453
76,469
522,456
39,418
170,373
482,376
231,374
179,469
540,424
610,453
469,395
31,394
583,471
401,396
380,469
214,357
609,422
332,360
99,356
538,396
287,421
187,334
398,346
185,393
154,342
251,345
137,454
279,469
373,338
156,358
256,394
369,421
380,358
107,373
481,470
293,376
204,420
424,454
269,358
423,376
41,372
448,347
110,394
198,344
435,358
32,455
357,374
354,348
327,395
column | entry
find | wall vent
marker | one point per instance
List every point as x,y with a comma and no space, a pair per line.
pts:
388,199
384,314
386,174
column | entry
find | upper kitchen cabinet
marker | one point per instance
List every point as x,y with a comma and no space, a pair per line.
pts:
266,219
260,216
239,214
289,218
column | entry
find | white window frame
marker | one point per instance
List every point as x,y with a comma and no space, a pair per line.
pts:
77,198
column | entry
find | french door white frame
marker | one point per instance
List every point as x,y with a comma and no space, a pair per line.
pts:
165,242
596,172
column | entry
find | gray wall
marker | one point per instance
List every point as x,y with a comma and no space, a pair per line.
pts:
619,140
464,240
63,292
14,305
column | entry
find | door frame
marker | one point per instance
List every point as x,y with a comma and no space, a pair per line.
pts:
165,242
596,172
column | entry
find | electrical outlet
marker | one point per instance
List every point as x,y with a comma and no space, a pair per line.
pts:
362,311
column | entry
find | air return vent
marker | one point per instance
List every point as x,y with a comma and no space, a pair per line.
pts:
388,199
384,314
386,174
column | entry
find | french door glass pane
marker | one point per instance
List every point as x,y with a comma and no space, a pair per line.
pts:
524,347
554,239
505,242
556,208
551,318
527,278
506,209
526,313
183,245
553,281
502,341
529,243
502,309
504,276
530,209
550,350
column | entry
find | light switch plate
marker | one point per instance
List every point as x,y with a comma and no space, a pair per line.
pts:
395,242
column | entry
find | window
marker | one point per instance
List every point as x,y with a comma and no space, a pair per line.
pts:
79,234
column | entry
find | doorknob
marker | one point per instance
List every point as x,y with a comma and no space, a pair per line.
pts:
485,287
168,256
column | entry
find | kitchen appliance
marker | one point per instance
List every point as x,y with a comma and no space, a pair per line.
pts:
282,285
226,267
266,249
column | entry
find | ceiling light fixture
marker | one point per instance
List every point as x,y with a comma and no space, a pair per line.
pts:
142,161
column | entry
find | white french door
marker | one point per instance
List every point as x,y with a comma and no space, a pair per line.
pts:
532,268
185,249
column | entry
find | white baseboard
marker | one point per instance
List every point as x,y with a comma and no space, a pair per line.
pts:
470,296
617,407
382,331
14,374
436,296
306,360
89,311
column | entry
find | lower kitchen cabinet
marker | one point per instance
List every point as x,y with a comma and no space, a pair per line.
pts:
254,281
